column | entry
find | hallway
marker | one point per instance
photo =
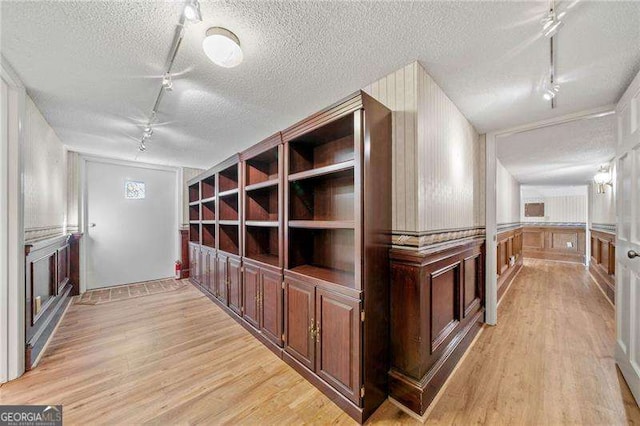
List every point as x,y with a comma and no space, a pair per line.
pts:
164,358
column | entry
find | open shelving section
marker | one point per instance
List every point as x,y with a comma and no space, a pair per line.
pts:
292,239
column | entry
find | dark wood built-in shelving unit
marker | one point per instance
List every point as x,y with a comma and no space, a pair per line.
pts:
291,237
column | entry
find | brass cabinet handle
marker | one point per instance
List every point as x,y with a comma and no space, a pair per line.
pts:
317,332
312,329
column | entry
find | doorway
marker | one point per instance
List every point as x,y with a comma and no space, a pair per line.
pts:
130,222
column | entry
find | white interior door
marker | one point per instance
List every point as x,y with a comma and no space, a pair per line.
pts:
628,242
129,239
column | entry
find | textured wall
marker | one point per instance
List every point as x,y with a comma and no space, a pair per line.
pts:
438,157
602,208
507,196
398,91
187,173
569,208
45,181
449,157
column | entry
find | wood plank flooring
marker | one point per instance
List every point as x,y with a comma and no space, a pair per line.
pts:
176,358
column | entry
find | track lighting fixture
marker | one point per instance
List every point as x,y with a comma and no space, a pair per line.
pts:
551,24
142,146
148,132
603,179
550,91
167,83
192,11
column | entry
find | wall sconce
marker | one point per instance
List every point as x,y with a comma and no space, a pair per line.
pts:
602,179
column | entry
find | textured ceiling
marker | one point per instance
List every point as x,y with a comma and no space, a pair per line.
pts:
562,154
93,68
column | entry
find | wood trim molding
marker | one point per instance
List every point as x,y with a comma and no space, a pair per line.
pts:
603,262
420,241
437,307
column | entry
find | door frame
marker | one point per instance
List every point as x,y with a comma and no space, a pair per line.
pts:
12,289
83,225
491,229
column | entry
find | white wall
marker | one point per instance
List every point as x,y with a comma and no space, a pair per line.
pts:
561,203
507,196
438,157
45,181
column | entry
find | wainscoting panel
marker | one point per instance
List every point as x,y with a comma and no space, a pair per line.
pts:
603,261
565,243
437,307
509,248
51,268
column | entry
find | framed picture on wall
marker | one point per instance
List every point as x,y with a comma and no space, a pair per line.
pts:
534,210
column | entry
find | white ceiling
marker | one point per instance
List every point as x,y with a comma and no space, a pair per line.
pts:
561,154
89,65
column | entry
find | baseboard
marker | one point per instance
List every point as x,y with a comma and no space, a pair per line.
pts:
509,284
423,418
599,287
418,395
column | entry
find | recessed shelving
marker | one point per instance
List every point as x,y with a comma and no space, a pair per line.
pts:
229,238
194,232
321,171
209,210
322,224
330,144
262,168
228,179
327,254
324,198
194,192
261,185
262,244
194,212
208,187
228,193
262,223
262,204
209,235
228,222
228,207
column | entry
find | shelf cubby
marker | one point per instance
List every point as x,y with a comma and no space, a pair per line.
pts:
262,244
327,197
228,207
229,240
194,233
194,192
330,144
209,210
208,187
194,212
262,204
209,235
262,168
228,179
326,254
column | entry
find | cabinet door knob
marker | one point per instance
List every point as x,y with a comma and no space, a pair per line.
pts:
632,254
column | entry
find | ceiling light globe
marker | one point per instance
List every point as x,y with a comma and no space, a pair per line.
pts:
192,12
222,47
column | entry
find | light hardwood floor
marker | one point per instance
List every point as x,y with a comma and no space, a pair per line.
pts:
175,358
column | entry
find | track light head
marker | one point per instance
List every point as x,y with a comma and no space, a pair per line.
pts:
167,83
148,132
142,146
192,11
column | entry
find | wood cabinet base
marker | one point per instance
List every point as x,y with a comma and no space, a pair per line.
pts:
417,395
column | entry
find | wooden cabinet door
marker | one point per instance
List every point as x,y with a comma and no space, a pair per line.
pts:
208,269
298,321
194,257
221,281
271,294
234,277
338,342
251,294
